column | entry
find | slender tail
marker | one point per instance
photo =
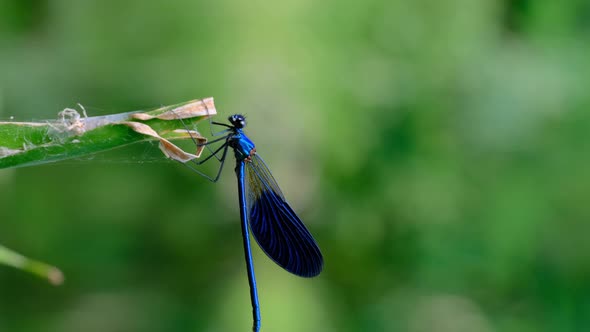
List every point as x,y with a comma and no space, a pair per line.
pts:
247,249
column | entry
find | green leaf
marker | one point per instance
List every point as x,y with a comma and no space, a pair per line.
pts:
73,135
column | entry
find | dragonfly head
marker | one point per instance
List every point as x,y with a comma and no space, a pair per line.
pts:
237,120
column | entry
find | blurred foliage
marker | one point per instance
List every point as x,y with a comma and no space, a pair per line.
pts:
436,149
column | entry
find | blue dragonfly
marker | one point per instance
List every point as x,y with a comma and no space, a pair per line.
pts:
263,209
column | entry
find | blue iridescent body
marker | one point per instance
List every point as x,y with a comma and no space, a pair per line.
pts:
241,144
264,210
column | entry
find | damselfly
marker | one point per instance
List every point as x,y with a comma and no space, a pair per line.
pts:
264,210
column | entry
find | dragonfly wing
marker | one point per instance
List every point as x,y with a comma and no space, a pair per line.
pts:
276,227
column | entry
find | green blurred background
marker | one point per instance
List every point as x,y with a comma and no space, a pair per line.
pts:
437,150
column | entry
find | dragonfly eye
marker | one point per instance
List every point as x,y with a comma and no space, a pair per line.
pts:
237,120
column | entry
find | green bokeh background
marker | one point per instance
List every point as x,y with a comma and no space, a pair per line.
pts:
437,150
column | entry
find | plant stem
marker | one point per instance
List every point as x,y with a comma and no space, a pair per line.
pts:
11,258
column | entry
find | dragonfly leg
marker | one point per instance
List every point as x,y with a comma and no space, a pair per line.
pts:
210,128
222,162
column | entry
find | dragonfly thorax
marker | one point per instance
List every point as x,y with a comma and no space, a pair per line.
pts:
243,147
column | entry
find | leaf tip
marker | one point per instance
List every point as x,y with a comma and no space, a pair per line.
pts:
55,276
